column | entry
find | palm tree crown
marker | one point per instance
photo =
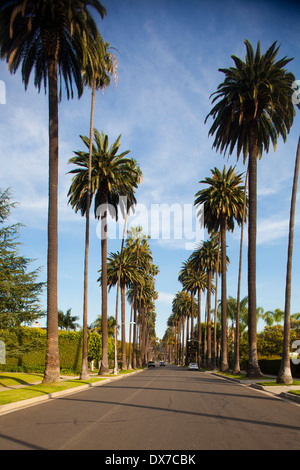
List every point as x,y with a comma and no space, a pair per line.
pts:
258,90
36,32
222,199
112,176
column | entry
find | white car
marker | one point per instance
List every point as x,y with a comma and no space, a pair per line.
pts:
193,366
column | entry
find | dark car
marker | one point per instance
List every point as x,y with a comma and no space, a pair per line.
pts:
151,364
162,363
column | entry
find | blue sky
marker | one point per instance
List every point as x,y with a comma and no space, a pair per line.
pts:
168,53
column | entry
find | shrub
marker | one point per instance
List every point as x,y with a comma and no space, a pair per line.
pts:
26,349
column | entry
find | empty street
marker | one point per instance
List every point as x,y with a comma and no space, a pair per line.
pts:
162,408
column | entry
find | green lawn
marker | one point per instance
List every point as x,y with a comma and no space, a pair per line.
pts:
241,376
271,384
32,391
10,379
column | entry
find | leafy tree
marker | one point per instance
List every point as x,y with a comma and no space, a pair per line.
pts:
19,289
270,340
253,107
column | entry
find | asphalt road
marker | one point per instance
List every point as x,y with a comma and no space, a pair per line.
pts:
166,408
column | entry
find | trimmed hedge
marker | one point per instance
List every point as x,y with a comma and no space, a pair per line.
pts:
272,365
26,349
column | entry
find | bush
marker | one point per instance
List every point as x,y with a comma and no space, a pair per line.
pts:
271,366
26,349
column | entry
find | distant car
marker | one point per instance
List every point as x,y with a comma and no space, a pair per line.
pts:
193,366
162,363
151,364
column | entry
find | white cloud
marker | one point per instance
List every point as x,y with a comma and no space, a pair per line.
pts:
165,297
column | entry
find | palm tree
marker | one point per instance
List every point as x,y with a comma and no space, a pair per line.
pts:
98,69
194,279
147,307
223,204
204,260
128,275
66,320
97,326
236,365
182,308
254,106
285,375
112,176
49,37
137,243
270,316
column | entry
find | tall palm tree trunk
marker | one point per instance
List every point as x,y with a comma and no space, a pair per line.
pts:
104,369
208,364
253,369
134,352
214,364
134,340
199,327
285,375
142,359
123,330
117,306
236,365
187,357
130,347
224,333
84,368
52,368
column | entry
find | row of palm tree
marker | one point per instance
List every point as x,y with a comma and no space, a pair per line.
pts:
113,176
60,41
253,107
132,268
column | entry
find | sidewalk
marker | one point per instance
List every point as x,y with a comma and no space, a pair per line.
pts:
280,391
42,398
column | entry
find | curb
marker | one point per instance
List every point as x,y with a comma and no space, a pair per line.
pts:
290,396
50,396
257,386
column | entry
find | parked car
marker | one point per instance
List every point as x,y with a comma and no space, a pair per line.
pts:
193,366
162,363
151,364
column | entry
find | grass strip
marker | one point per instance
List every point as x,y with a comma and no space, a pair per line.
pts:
33,391
271,384
10,379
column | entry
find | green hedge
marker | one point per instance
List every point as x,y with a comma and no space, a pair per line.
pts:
26,349
272,365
